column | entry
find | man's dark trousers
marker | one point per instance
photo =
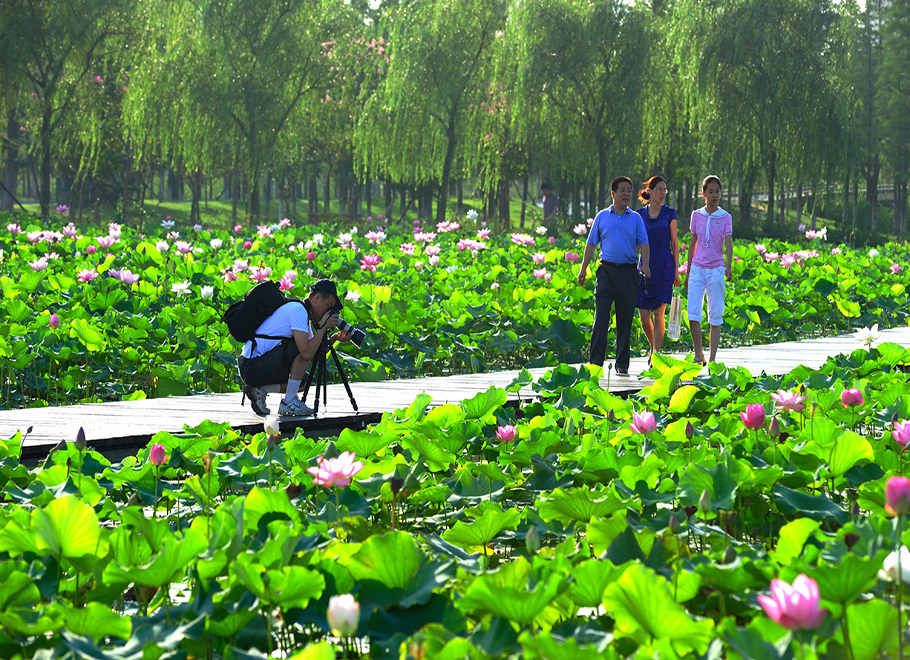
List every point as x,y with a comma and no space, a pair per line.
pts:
619,284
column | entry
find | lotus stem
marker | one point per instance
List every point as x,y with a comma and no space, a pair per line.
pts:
900,590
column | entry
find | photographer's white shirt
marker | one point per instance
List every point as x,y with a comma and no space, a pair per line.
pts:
282,323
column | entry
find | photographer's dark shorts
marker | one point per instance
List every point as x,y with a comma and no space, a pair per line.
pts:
271,367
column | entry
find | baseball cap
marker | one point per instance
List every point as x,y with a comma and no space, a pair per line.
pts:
327,286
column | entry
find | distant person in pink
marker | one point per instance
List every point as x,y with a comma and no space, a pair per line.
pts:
710,264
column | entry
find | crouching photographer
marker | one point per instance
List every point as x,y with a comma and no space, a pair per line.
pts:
283,335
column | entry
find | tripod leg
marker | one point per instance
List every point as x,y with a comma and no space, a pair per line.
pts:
309,380
344,378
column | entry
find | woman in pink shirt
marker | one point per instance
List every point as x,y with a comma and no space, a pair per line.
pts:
712,231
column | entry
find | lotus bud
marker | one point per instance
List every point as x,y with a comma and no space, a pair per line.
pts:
532,540
158,455
774,429
855,509
894,418
80,439
54,321
208,459
343,615
704,502
611,416
729,555
396,484
675,527
850,539
272,426
690,431
69,463
728,519
897,496
293,491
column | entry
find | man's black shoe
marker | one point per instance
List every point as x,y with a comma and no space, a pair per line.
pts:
256,396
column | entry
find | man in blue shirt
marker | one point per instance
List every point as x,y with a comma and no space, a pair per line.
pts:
621,234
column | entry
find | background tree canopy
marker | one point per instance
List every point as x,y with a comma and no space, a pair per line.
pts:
108,104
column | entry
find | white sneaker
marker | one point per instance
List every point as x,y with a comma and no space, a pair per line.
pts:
294,408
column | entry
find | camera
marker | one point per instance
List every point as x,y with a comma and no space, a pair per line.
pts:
357,336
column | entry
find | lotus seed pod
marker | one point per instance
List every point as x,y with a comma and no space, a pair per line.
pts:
704,502
675,527
774,429
532,540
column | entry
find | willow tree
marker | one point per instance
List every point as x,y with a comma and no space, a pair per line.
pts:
218,72
53,48
414,126
582,64
896,103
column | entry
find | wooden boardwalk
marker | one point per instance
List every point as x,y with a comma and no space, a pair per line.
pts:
126,425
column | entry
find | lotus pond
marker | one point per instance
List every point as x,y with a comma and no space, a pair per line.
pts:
92,314
581,526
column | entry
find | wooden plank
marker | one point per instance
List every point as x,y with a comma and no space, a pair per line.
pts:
133,423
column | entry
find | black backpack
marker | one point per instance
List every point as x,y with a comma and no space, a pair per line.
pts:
245,316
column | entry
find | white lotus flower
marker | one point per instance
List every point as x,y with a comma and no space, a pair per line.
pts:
867,336
207,292
353,295
162,246
180,288
873,253
541,230
216,243
889,571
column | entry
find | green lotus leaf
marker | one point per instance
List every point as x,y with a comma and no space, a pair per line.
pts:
364,443
167,566
512,592
718,481
844,581
67,527
873,629
97,621
435,457
545,646
482,405
17,589
792,538
642,605
602,532
261,501
482,529
591,579
581,504
816,507
682,399
88,335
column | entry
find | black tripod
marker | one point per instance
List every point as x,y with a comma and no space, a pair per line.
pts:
318,369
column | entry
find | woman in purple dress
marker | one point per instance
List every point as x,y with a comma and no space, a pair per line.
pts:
655,293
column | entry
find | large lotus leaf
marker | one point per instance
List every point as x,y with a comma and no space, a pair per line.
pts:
682,399
262,501
17,589
602,532
873,629
734,578
718,481
168,565
751,644
792,538
642,605
391,569
564,375
522,380
318,651
435,457
816,507
445,415
591,578
31,621
605,402
97,620
364,443
581,504
153,531
511,593
844,581
546,646
482,405
290,586
67,527
482,529
88,335
649,472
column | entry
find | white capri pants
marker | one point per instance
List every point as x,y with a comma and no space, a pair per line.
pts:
710,281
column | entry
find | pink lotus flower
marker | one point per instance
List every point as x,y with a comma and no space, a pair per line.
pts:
446,226
247,245
13,228
851,397
343,615
335,471
91,249
580,230
836,250
285,222
229,275
794,607
241,265
643,423
38,264
683,268
432,250
540,273
483,234
571,257
539,258
424,236
86,275
787,400
895,269
506,433
70,231
286,284
369,262
754,416
433,260
238,229
183,247
406,248
897,496
522,239
129,278
105,241
53,322
264,231
291,275
761,249
260,274
310,255
173,235
157,455
375,237
901,433
62,209
51,255
551,240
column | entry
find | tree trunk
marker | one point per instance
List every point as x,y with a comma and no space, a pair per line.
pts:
843,213
772,174
44,187
389,197
196,191
267,197
327,191
799,202
524,199
459,197
872,192
12,162
855,201
687,200
601,177
368,189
